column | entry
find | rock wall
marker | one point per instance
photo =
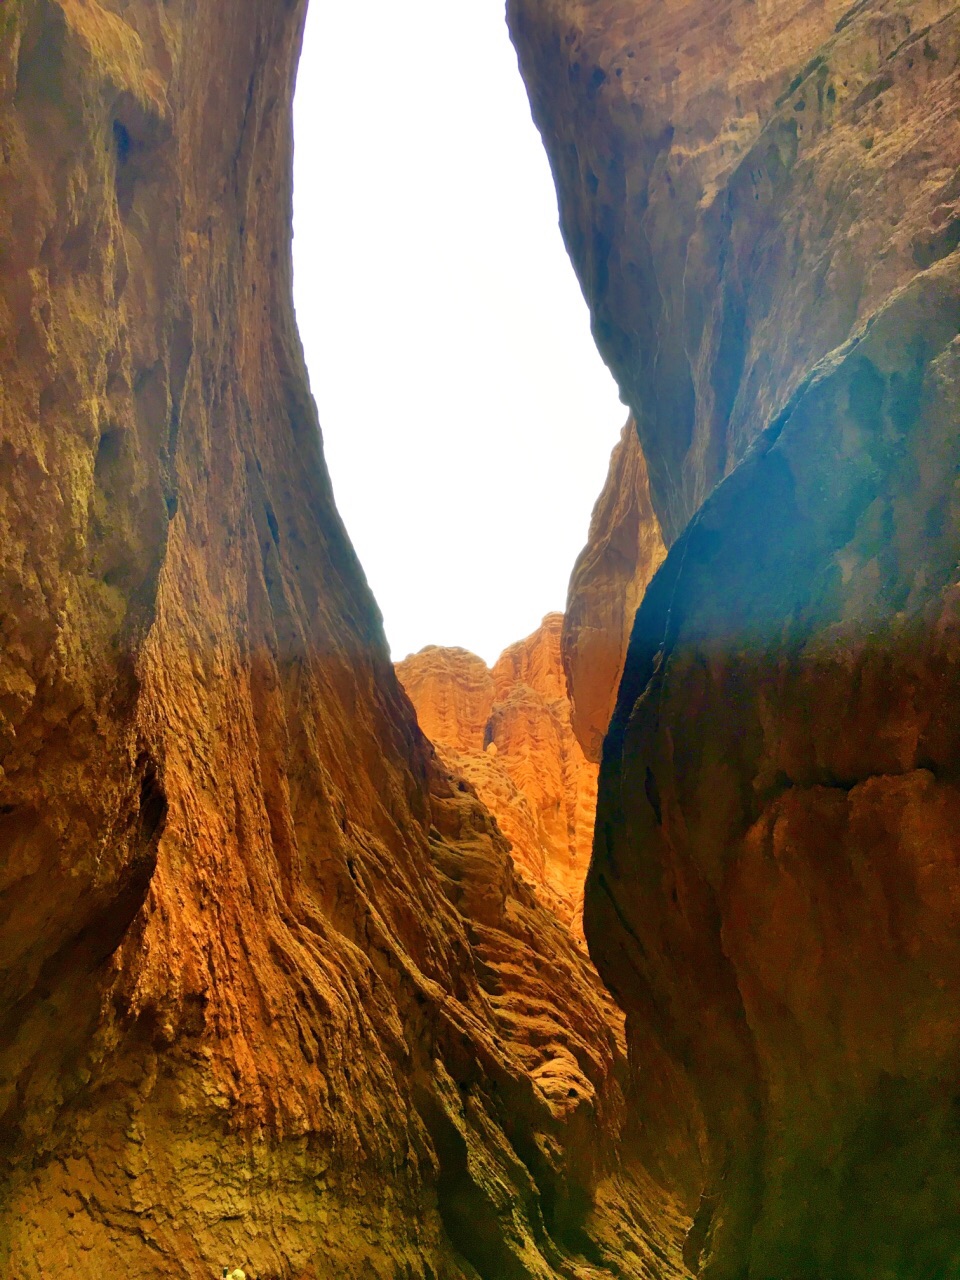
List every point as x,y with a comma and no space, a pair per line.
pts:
741,185
271,995
508,732
623,551
762,203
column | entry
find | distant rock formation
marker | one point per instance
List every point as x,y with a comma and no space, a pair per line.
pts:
508,732
452,691
624,549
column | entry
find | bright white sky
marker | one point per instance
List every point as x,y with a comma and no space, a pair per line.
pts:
467,417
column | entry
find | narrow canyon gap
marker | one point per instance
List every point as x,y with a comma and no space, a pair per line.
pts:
271,992
445,332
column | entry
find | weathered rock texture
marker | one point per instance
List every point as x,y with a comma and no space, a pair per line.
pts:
763,204
508,732
624,550
741,185
271,994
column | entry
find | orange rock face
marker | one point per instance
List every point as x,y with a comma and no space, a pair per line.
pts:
453,692
762,203
624,550
508,731
270,992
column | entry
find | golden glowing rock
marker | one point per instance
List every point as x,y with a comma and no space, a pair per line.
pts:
508,731
270,987
624,550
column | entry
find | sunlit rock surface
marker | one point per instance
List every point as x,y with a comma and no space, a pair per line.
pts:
508,731
272,995
624,549
763,206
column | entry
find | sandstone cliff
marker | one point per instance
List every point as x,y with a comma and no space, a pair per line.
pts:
624,549
508,732
763,206
271,994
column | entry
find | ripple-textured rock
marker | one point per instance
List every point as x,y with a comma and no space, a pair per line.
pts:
271,993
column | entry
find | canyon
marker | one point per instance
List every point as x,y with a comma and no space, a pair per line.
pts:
274,990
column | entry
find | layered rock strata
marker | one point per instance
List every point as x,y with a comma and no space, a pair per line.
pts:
762,203
271,994
624,549
508,731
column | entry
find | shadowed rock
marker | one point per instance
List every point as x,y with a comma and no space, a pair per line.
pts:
761,202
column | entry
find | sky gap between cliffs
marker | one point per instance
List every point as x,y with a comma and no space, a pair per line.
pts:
467,416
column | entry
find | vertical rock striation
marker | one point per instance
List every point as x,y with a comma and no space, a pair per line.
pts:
271,994
624,549
508,732
762,204
452,691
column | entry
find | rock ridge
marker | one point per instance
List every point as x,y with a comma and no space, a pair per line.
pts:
508,731
624,549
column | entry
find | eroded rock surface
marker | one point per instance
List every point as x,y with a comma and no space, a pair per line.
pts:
508,731
624,549
741,186
763,206
271,993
